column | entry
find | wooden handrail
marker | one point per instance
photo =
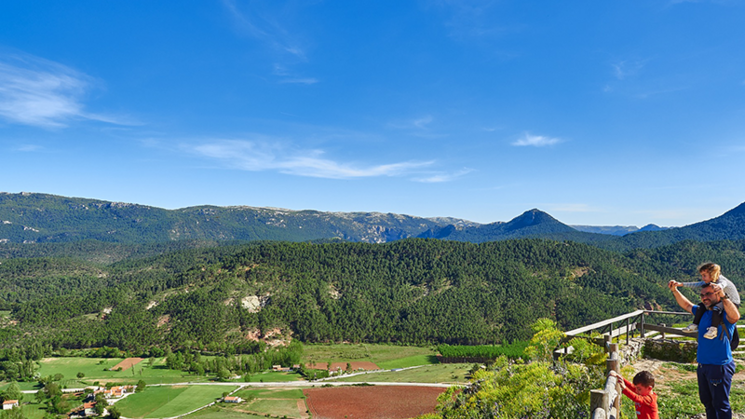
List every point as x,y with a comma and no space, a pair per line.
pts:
604,323
606,403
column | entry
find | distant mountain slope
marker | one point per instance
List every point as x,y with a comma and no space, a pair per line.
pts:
728,226
39,218
617,230
610,230
532,223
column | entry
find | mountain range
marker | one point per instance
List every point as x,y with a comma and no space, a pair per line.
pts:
43,218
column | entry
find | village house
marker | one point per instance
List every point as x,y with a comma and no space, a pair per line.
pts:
116,392
86,411
9,404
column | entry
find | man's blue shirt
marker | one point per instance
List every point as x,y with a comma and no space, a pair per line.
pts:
713,351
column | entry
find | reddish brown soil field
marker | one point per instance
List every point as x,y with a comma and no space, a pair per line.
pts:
127,364
389,402
367,366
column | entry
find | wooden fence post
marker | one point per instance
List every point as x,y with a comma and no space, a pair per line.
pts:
599,399
641,331
613,347
628,332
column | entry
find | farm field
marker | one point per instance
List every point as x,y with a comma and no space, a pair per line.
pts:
409,361
269,393
23,385
272,377
97,369
33,410
371,402
385,356
440,373
342,366
168,401
259,403
221,412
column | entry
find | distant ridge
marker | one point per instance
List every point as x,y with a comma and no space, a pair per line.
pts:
532,223
617,230
43,218
728,226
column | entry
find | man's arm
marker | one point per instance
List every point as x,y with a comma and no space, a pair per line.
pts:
733,313
683,302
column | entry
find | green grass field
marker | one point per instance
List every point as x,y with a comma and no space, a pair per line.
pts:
222,412
259,401
33,410
277,402
440,373
410,361
379,354
269,393
97,369
23,385
273,377
167,401
275,407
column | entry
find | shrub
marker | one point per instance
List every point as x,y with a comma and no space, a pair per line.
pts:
684,352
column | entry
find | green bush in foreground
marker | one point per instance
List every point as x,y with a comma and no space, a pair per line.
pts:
536,389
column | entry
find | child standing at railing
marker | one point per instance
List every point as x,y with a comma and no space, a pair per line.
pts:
641,393
711,273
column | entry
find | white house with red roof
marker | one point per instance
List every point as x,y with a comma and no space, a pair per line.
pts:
9,404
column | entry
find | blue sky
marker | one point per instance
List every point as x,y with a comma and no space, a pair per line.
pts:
597,112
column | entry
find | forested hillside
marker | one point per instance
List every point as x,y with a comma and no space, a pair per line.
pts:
39,218
411,291
530,224
728,226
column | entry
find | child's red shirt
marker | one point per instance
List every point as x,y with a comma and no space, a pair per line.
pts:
646,406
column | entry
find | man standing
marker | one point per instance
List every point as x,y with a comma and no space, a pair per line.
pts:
714,356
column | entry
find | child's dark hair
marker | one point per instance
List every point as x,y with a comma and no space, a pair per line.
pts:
644,378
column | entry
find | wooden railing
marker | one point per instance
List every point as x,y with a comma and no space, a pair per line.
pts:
606,403
626,324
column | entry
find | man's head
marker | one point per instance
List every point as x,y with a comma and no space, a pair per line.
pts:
708,296
644,383
709,272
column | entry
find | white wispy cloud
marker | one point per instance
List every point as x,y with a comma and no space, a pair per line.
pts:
28,148
262,26
442,176
266,155
470,18
627,68
307,80
266,26
38,92
536,141
420,123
